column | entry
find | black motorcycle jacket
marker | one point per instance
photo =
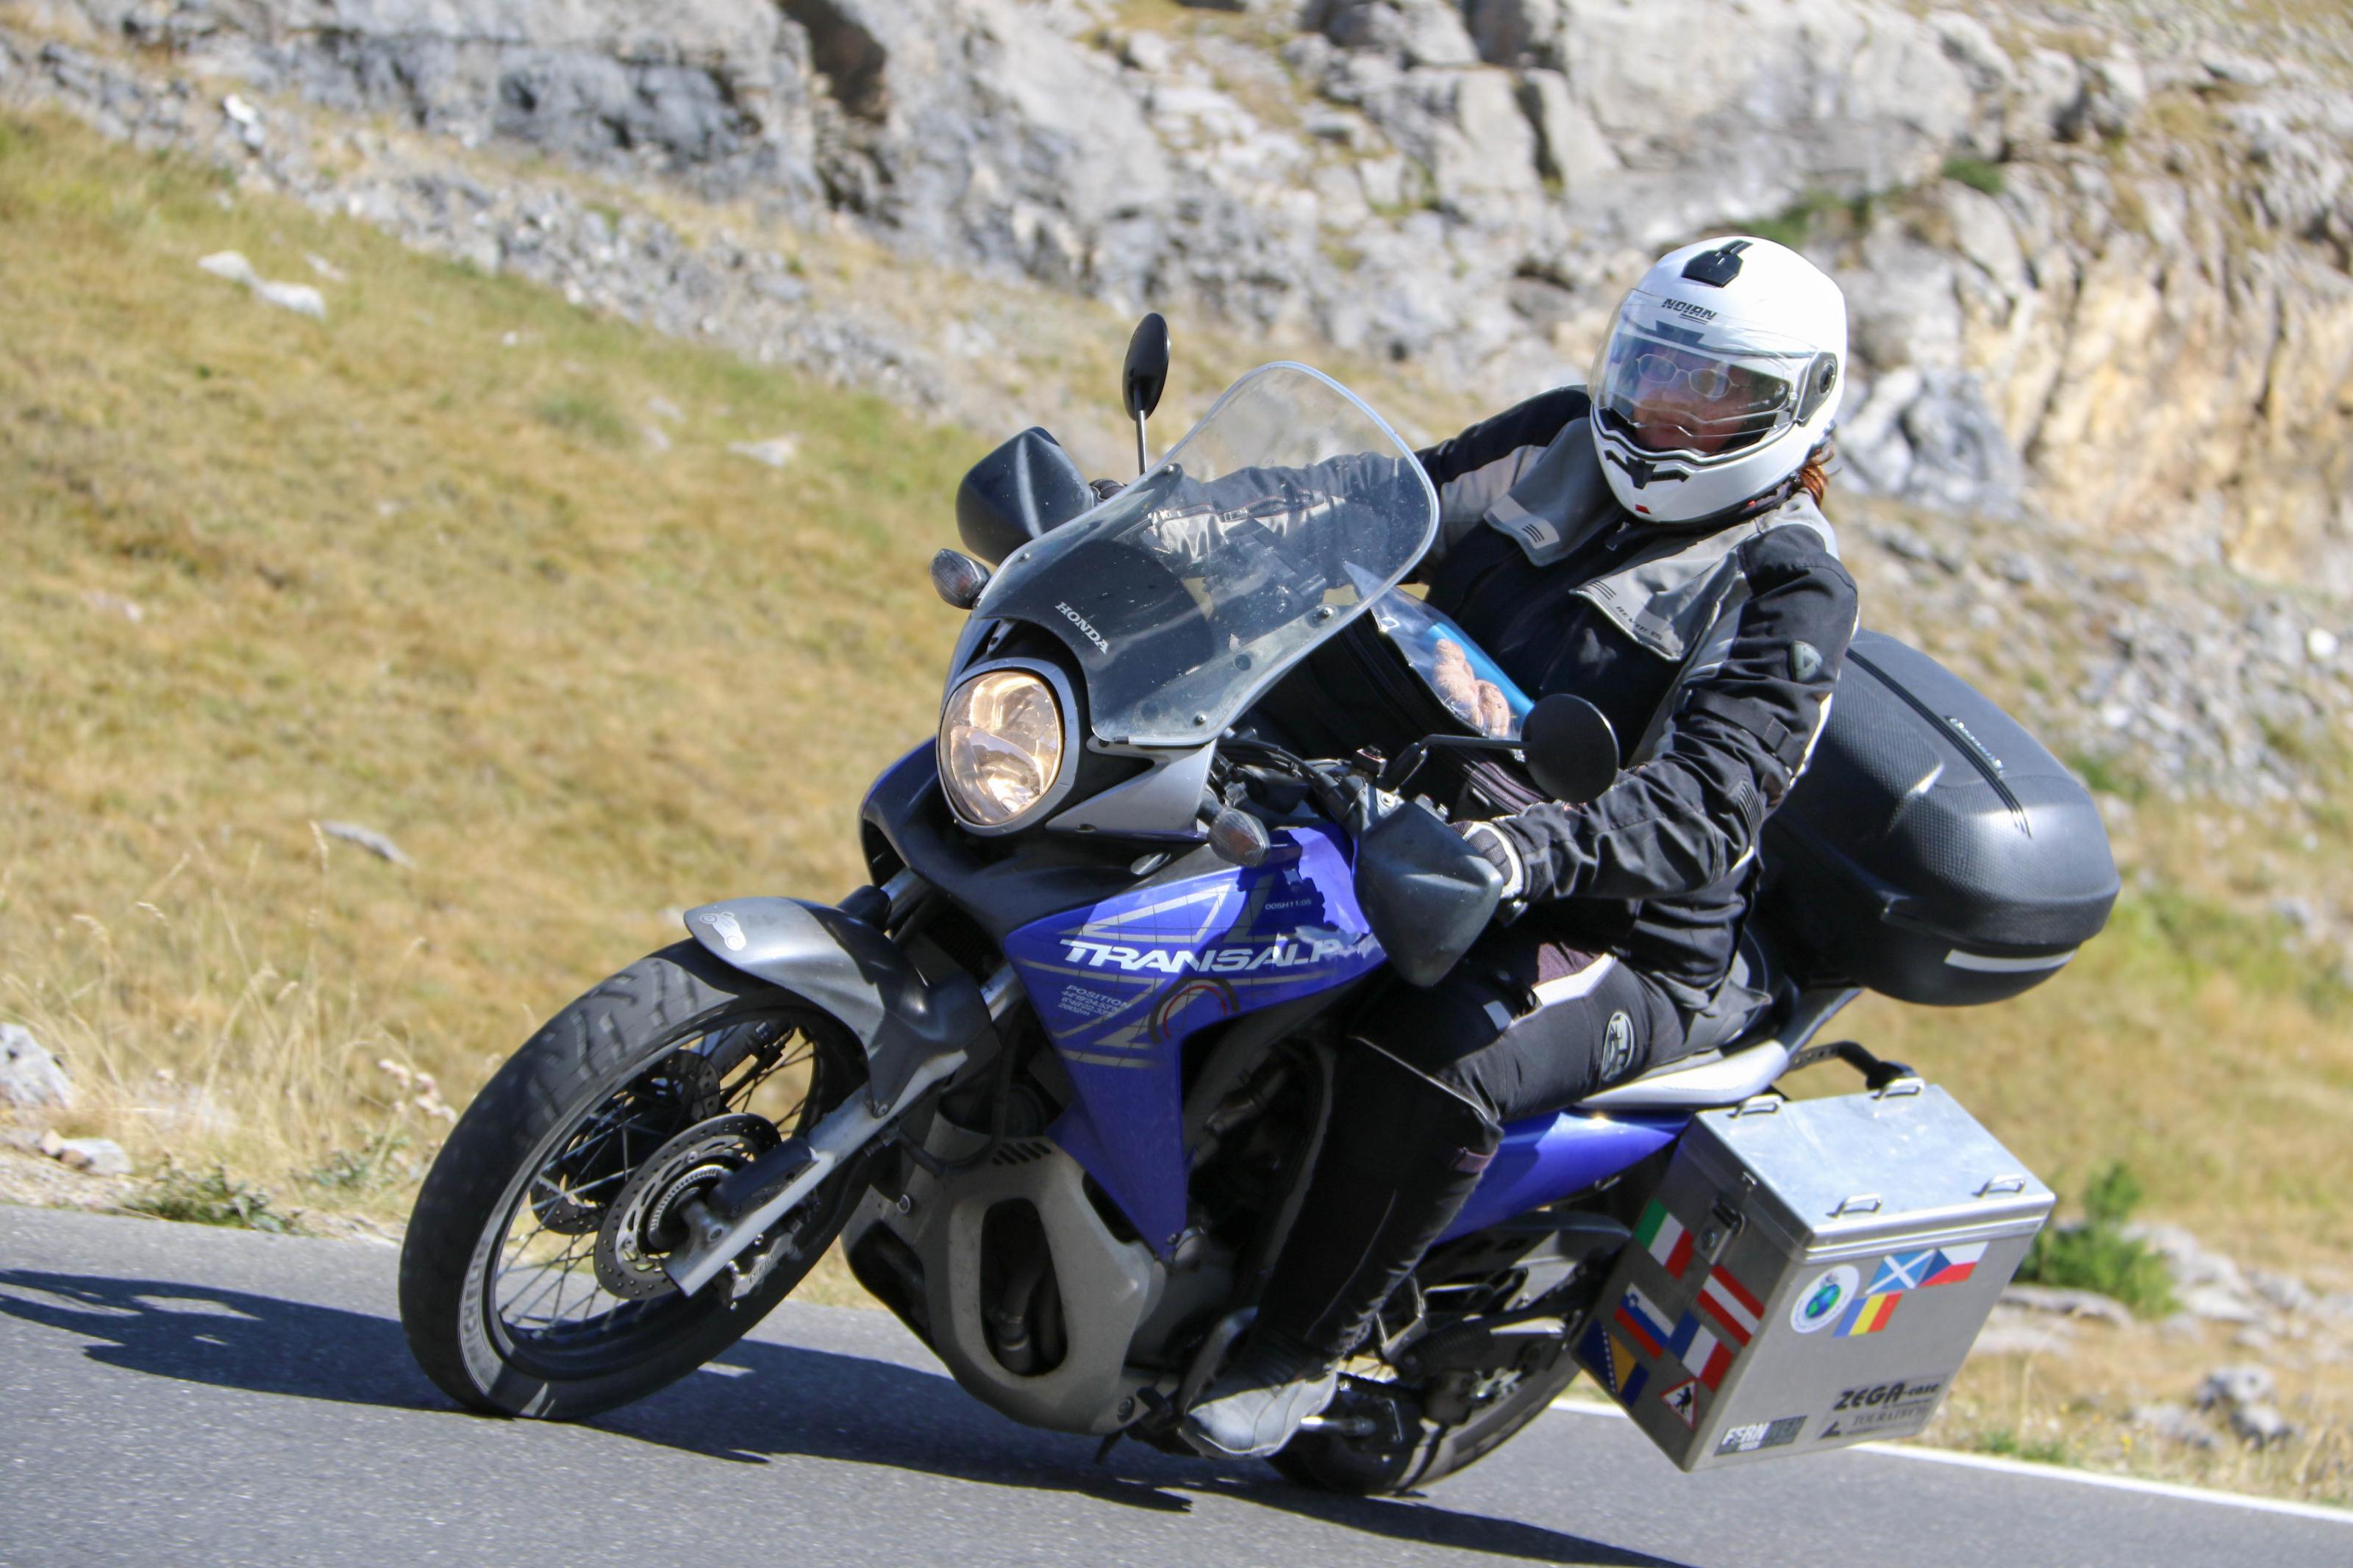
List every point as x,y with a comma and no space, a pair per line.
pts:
1712,648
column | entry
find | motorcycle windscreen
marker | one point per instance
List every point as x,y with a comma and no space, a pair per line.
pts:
1276,521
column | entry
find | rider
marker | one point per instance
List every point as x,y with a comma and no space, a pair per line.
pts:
1652,543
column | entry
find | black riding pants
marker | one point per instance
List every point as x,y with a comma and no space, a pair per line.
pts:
1423,1084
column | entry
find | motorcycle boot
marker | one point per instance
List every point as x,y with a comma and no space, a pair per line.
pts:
1261,1400
1400,1159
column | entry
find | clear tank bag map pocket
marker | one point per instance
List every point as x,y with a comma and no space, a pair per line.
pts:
1457,671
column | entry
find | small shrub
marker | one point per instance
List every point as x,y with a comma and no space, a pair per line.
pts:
381,1162
211,1197
2006,1443
2094,1254
1974,173
586,415
2105,775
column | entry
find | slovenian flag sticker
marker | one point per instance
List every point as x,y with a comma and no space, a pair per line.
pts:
1731,1304
1643,1322
1663,1235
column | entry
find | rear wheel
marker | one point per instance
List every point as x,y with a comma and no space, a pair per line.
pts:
1405,1449
530,1281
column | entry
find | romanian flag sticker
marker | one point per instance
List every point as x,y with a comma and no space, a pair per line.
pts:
1663,1235
1869,1314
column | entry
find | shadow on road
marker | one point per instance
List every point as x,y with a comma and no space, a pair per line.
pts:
762,1401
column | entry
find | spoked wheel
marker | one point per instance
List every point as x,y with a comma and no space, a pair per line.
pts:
531,1282
1398,1448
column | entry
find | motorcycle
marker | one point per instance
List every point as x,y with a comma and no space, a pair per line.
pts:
1054,1080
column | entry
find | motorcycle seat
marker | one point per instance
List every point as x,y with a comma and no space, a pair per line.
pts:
1742,1047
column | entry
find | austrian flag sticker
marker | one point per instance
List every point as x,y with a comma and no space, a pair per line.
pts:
1663,1235
1731,1304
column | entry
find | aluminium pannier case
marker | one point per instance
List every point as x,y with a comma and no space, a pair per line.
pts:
1933,852
1810,1274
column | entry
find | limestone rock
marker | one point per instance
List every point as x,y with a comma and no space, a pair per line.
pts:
92,1156
773,453
2250,1384
29,1075
299,297
2068,1303
376,844
232,266
2261,1426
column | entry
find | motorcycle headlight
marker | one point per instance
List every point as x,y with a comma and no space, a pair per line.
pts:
1001,746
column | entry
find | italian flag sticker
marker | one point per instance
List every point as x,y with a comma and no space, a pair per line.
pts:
1663,1235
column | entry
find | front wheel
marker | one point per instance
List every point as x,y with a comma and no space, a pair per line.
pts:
531,1280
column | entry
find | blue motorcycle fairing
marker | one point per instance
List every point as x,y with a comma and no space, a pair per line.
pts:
1545,1159
1120,986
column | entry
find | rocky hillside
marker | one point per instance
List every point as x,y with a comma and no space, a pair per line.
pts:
2097,252
2097,256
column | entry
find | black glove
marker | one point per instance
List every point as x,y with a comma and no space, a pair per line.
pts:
1503,855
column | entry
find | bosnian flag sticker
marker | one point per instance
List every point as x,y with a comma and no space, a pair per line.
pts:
1663,1235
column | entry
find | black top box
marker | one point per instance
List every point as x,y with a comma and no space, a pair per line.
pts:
1934,851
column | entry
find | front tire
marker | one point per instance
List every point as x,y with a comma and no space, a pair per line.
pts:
514,1295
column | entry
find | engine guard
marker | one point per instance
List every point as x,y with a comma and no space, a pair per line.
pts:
839,964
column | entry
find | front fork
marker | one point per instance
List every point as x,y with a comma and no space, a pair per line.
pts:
916,1038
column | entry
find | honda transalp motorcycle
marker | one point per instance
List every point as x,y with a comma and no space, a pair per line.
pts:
1055,1080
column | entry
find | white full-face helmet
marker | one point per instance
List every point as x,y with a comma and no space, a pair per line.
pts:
1721,373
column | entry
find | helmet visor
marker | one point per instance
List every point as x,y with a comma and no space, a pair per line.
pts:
1671,382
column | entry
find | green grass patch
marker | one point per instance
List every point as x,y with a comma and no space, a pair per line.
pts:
211,1197
2007,1443
2094,1253
2105,775
584,415
1978,173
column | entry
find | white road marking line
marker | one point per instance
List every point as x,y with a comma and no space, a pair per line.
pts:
2320,1511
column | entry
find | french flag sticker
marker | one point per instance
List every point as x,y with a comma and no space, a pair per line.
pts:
1706,1357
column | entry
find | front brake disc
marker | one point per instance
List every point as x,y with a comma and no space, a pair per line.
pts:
642,1224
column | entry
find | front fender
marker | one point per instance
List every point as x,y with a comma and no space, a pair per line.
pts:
843,966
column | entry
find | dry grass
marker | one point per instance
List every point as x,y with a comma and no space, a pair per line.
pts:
393,571
2080,1409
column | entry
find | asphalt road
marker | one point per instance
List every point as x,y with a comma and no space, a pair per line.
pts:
176,1395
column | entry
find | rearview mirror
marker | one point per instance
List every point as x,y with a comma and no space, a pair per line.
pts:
1571,750
1145,376
1017,493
